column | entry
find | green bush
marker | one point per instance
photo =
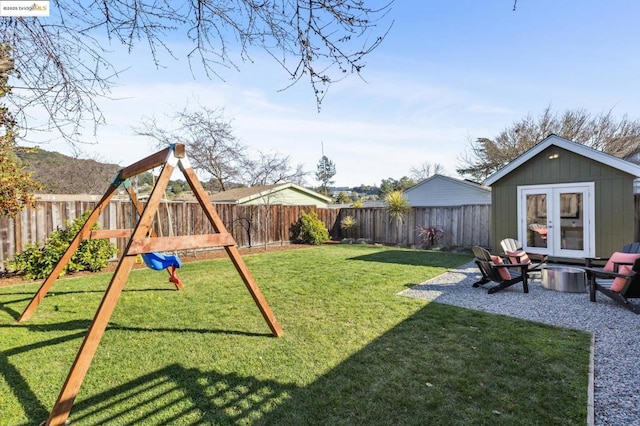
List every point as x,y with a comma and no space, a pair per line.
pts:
37,262
349,225
311,229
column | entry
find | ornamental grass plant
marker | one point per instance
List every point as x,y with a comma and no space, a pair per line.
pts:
353,352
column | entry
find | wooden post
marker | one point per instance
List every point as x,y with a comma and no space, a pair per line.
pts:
69,391
68,254
232,251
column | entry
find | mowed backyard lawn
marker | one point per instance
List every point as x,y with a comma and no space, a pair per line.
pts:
353,352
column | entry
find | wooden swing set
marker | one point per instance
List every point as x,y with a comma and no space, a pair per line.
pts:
142,241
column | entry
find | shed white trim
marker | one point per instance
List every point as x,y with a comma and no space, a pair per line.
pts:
577,148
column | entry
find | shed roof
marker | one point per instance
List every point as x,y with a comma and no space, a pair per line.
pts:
577,148
245,195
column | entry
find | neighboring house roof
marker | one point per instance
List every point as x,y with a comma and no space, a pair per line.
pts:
286,193
373,203
577,148
441,191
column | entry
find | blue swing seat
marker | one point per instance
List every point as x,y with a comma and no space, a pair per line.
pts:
159,261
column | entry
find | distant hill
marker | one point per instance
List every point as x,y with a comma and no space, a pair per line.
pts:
60,174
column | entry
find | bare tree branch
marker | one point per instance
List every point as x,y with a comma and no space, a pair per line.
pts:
64,63
270,169
618,137
426,170
209,138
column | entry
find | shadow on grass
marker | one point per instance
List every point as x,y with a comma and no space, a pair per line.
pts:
430,370
28,399
54,292
439,361
410,257
84,325
4,306
16,382
178,395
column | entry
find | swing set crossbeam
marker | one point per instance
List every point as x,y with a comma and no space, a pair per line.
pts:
175,243
147,245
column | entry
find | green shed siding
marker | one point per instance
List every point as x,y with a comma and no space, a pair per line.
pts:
504,213
614,214
614,200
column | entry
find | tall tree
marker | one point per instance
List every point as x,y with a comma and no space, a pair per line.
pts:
325,171
271,168
16,183
618,137
214,149
64,60
390,185
208,137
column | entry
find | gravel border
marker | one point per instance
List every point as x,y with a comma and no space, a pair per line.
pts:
616,331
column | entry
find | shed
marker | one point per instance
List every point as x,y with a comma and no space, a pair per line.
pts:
564,199
445,191
285,193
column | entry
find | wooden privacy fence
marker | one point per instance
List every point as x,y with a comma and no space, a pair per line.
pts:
251,226
463,226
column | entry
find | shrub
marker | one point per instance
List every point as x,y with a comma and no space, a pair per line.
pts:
311,229
348,224
37,262
430,235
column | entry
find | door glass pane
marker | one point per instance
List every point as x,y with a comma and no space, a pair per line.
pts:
571,221
537,220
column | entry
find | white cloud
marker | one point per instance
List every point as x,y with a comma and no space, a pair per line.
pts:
446,75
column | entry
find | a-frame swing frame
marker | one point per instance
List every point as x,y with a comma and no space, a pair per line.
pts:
141,240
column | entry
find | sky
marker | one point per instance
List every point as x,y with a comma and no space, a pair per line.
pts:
447,73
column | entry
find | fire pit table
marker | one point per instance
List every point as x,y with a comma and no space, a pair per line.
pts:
568,279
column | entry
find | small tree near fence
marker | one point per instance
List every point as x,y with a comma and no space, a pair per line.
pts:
398,207
349,225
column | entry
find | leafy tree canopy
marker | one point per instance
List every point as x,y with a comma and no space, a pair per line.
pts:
618,137
325,172
16,183
390,185
342,198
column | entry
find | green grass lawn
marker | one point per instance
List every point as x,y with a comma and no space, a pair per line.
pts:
353,352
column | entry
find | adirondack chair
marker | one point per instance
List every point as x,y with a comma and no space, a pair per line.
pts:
619,279
513,249
494,269
627,248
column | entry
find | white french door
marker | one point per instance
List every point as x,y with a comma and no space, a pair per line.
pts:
557,220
